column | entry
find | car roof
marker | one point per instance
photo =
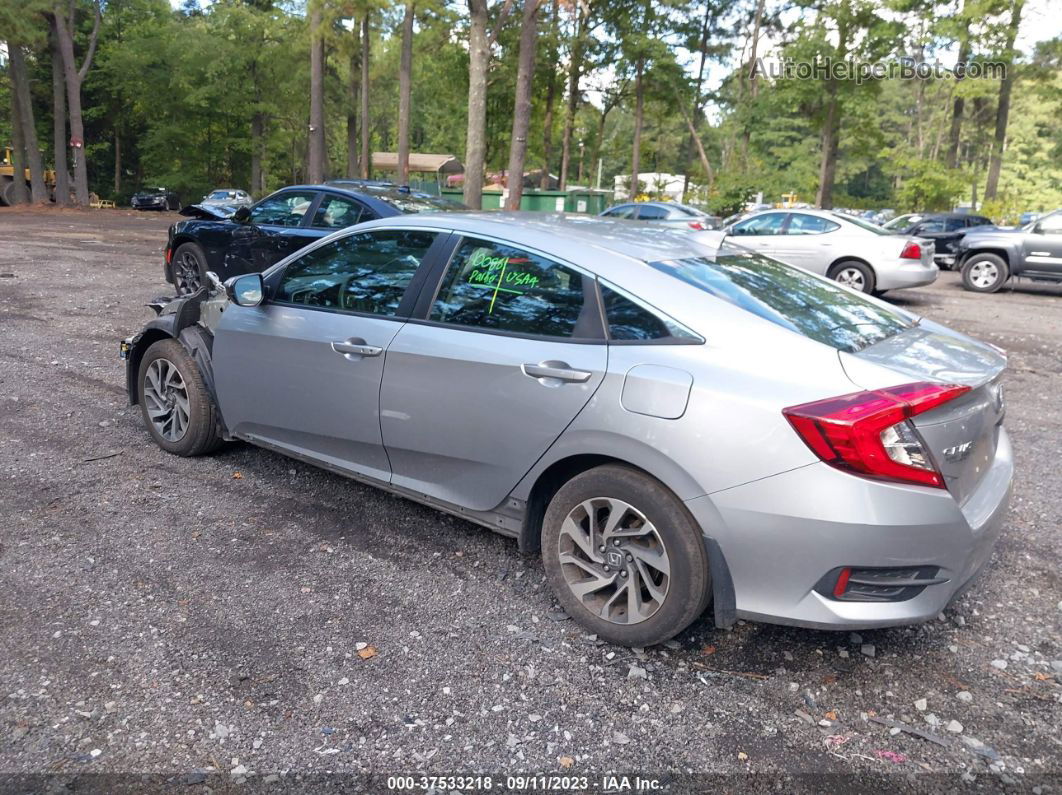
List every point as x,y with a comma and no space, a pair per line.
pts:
581,235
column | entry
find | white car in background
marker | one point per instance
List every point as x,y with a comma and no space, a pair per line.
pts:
849,250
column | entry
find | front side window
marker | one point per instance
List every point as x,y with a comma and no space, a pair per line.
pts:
651,212
366,273
283,209
629,321
625,211
766,224
501,288
801,224
337,213
1051,224
929,227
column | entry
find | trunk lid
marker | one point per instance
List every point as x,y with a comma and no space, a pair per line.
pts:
961,435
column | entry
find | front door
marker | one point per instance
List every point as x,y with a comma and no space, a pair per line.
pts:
511,351
277,226
302,371
764,233
1043,246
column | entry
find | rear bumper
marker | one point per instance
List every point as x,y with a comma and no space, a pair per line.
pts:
781,535
900,273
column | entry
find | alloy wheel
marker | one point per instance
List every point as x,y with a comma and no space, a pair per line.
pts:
983,274
186,273
851,277
166,400
614,560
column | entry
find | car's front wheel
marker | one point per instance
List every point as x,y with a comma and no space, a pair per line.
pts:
624,557
855,274
189,268
984,273
177,407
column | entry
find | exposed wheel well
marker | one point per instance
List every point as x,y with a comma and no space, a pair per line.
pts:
998,252
150,337
839,260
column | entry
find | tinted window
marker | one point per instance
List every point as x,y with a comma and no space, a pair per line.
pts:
767,224
283,209
977,220
495,286
365,273
954,224
337,213
650,212
929,227
789,297
801,224
626,211
628,320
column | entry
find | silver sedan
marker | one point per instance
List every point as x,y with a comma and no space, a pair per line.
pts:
669,424
850,250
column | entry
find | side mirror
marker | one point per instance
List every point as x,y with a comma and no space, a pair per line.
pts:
246,290
242,215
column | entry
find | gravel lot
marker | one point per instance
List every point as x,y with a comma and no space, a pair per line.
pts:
202,619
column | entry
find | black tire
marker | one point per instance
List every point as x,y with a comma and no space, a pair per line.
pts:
855,274
189,267
688,582
984,273
4,182
201,433
7,192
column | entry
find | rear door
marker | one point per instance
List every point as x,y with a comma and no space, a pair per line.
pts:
810,242
509,350
302,371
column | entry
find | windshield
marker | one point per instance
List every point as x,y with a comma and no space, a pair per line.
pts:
789,297
867,225
222,194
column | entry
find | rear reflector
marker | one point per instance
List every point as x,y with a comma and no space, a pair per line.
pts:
911,251
867,433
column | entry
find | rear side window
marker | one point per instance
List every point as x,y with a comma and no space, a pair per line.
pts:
497,287
801,224
626,211
629,321
650,212
789,297
336,212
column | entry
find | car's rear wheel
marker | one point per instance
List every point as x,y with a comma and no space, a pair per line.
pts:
984,273
189,268
624,557
177,408
854,274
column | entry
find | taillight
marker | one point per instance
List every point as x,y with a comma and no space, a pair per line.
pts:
868,433
697,225
911,251
169,255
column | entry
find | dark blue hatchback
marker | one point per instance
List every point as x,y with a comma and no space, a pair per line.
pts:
252,238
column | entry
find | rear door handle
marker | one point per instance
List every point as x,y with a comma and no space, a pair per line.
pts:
561,371
356,346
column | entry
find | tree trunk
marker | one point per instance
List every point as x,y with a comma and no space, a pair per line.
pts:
828,168
573,98
315,169
20,84
352,112
958,105
995,164
366,155
405,91
551,95
639,106
20,193
74,77
525,77
257,133
62,177
117,162
753,86
476,137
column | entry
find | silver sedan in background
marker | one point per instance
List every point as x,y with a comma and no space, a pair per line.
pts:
842,247
671,214
669,424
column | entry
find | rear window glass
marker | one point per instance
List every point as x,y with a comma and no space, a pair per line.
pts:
789,297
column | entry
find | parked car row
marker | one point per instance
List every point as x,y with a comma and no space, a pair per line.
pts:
647,412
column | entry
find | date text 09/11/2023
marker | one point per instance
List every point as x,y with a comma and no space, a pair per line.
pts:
525,782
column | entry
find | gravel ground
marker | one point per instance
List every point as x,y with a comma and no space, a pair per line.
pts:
243,616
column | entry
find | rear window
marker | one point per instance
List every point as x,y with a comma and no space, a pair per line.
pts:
789,297
412,203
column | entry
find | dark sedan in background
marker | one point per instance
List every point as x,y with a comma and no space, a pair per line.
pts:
944,229
253,238
156,199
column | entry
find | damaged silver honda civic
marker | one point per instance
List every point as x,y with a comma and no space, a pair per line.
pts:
671,422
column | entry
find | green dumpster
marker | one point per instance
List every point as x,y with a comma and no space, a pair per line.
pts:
592,202
543,201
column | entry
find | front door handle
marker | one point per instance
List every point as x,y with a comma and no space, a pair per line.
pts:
356,346
560,371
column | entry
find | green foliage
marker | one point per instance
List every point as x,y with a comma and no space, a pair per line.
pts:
926,185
